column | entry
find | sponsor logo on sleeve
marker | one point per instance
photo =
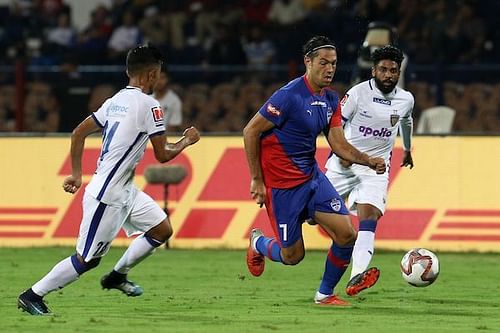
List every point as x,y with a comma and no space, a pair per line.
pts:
157,114
271,109
381,101
344,99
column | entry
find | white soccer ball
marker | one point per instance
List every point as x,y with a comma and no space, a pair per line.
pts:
420,267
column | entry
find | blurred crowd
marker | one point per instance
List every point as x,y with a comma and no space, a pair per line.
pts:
240,32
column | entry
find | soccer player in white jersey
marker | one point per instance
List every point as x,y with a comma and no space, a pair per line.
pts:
127,120
372,113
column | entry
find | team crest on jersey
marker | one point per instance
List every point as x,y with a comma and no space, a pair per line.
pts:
344,99
335,204
273,110
157,114
394,118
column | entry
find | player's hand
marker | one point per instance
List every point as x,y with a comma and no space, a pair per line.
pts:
258,191
192,135
377,164
71,184
407,160
345,163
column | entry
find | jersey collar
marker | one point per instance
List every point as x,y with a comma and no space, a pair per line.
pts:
132,87
308,85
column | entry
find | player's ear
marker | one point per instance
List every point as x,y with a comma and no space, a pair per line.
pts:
373,71
307,62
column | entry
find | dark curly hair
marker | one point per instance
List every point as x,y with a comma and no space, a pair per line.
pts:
310,49
387,52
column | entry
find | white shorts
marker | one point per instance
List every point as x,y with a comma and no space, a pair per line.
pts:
101,222
363,189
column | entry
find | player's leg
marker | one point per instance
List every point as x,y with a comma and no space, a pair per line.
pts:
146,216
364,248
93,241
331,214
369,197
285,208
363,277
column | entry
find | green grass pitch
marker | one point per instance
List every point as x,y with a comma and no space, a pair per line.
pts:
211,291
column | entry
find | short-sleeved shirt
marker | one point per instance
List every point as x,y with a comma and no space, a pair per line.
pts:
128,119
299,115
371,122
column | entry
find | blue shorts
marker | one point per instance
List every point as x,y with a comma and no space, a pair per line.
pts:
289,208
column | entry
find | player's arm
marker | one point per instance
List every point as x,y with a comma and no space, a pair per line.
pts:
406,130
72,183
166,151
251,138
342,148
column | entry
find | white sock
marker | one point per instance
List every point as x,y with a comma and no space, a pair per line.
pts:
319,296
254,244
61,275
138,250
363,252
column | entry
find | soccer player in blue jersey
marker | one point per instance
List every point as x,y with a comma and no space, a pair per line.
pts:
280,143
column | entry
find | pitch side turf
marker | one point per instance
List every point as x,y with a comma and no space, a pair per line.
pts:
211,291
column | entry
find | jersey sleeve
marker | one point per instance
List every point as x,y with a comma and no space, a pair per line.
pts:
348,105
275,109
336,120
99,116
154,123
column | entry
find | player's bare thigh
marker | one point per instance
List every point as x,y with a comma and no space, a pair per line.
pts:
161,232
368,212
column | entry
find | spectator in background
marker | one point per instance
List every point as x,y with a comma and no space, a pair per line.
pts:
92,42
169,102
258,48
123,38
41,110
61,38
99,95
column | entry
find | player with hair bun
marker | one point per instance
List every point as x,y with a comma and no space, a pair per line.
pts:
280,143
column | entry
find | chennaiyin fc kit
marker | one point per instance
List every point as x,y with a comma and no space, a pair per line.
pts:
111,201
371,121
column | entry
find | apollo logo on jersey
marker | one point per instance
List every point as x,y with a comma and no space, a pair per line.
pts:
273,110
383,132
157,114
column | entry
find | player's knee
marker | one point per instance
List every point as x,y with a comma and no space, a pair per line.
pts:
161,232
347,237
81,266
292,258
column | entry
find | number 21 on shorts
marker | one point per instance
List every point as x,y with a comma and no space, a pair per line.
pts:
283,226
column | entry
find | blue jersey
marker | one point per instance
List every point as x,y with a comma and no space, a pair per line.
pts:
299,115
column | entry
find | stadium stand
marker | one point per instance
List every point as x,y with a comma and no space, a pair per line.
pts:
226,57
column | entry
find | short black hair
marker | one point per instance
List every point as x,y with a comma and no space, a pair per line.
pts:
141,58
387,52
314,44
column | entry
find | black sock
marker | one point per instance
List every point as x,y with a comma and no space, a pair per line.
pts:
30,294
116,277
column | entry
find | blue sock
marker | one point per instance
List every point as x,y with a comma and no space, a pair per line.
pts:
269,247
368,225
337,261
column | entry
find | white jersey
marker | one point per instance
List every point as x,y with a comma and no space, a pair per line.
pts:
371,121
129,119
172,106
